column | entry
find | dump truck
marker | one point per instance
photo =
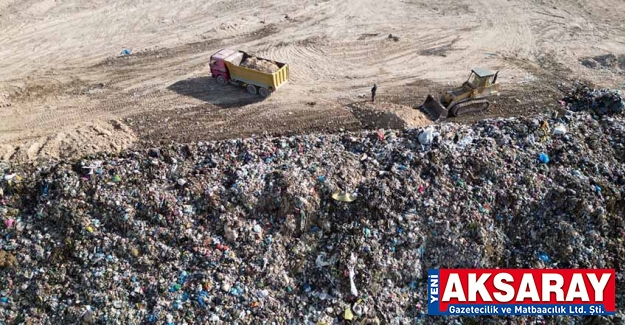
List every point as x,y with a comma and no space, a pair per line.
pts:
472,96
259,76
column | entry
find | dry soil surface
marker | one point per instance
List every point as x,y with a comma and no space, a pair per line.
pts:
63,82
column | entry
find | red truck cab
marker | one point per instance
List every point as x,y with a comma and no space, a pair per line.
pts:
219,71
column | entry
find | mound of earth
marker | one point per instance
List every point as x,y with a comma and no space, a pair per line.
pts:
84,139
388,116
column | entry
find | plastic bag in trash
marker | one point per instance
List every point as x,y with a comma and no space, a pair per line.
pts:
560,129
427,136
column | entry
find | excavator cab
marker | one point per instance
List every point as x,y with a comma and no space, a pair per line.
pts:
472,96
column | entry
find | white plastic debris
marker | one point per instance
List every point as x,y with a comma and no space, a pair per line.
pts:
352,285
465,141
427,136
320,262
559,129
262,294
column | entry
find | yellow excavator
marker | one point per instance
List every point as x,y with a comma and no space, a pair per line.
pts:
472,96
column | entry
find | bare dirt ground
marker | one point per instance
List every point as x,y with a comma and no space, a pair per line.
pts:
65,91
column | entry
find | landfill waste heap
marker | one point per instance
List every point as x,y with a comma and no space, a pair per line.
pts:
252,231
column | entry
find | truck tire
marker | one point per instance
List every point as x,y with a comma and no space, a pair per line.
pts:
264,92
251,89
221,80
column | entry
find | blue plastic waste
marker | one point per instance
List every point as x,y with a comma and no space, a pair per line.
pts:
543,157
125,52
200,299
183,277
544,257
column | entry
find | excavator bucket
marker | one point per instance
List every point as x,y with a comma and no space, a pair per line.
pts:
434,109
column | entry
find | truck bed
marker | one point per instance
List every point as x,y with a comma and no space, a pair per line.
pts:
271,81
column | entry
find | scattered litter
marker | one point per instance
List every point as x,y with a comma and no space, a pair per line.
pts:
348,314
344,197
393,37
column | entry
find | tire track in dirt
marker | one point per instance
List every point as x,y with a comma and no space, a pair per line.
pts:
307,58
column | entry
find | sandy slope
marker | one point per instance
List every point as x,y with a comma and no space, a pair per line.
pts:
59,69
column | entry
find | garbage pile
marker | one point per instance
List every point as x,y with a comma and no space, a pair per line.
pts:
258,64
311,229
597,101
607,61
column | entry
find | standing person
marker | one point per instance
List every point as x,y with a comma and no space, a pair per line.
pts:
373,90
